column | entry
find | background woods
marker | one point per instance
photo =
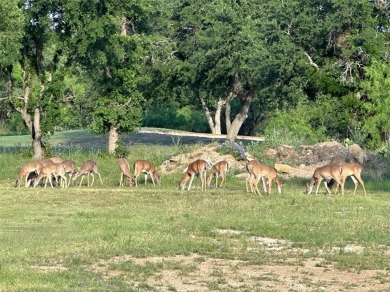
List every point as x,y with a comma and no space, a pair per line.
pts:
316,69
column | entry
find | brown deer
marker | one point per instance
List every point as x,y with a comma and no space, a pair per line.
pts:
25,172
196,168
218,170
354,171
50,170
51,160
125,172
257,171
326,173
248,182
88,167
70,169
148,168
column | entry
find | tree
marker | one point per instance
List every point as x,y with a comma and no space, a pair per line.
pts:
35,72
108,40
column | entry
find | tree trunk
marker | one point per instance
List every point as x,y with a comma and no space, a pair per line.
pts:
33,125
228,121
240,117
37,144
214,124
113,138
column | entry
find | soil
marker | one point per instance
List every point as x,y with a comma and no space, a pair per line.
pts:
198,273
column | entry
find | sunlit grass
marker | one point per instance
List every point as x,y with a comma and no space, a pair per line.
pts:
53,239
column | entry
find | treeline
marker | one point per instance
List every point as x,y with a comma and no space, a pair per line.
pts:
315,69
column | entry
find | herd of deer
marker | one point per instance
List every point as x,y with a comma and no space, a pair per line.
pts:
56,168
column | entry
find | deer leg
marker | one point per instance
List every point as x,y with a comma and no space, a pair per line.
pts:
82,177
355,182
121,180
358,177
100,178
192,178
318,182
151,176
93,179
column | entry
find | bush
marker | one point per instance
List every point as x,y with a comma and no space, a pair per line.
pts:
171,117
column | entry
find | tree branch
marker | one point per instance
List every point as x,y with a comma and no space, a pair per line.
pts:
311,61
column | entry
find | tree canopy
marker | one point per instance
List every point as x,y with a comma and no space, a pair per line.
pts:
315,68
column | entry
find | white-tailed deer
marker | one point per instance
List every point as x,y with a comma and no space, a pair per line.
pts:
257,171
248,182
25,172
196,168
50,170
125,172
70,169
148,168
354,171
88,167
218,170
51,160
326,173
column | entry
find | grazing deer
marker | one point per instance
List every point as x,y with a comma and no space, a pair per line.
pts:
196,168
218,169
70,169
249,169
25,172
88,167
258,170
125,172
147,168
354,171
327,172
54,169
51,160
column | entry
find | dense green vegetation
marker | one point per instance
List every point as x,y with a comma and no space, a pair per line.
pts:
314,69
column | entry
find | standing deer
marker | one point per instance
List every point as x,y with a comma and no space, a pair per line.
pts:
49,170
148,168
70,169
327,172
218,170
196,168
354,171
249,169
257,171
125,172
25,172
88,167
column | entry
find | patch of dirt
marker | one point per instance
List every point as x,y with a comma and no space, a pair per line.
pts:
179,162
204,274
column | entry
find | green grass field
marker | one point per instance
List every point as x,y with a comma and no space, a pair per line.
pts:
66,239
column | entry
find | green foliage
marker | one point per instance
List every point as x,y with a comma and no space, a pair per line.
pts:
171,117
293,127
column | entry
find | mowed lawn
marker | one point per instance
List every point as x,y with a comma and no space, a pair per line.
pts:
59,239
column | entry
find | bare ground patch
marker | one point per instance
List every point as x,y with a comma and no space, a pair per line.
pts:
199,273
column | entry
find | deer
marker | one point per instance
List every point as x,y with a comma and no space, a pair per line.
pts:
88,167
27,169
49,170
196,168
70,169
51,160
354,171
125,172
257,171
249,169
327,172
147,168
218,170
